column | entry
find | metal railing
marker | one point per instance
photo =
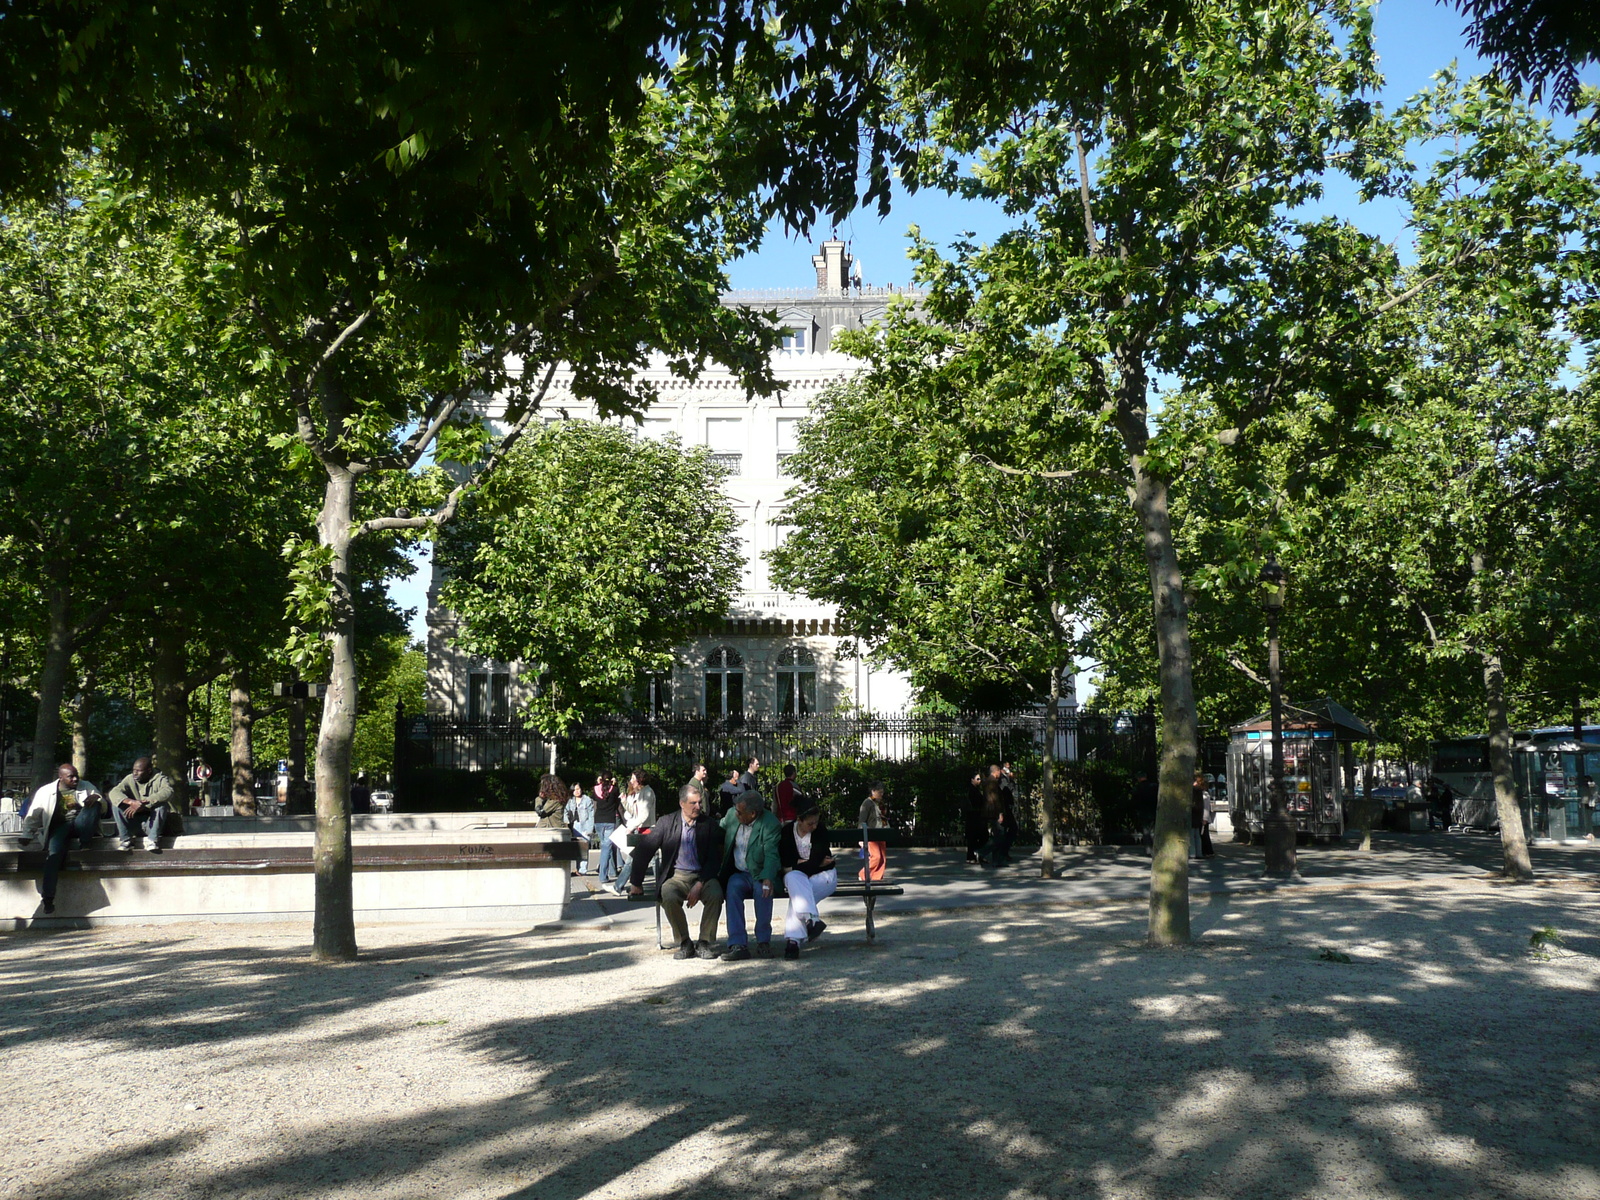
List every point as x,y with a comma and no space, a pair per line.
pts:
628,741
757,295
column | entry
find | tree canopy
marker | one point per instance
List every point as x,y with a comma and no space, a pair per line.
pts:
588,556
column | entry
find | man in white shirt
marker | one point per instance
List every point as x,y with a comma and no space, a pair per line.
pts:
60,811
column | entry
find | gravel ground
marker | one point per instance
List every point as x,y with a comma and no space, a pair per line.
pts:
1009,1052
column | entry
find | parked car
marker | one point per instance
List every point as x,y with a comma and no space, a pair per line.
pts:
382,802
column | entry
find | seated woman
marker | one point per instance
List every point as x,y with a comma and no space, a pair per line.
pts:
809,875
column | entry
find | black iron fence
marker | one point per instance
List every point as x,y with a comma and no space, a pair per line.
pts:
926,760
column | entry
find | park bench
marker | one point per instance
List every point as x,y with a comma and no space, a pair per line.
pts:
866,890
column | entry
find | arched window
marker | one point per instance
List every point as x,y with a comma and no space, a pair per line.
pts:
724,683
797,681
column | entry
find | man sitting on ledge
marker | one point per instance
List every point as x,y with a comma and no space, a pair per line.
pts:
61,811
142,803
690,843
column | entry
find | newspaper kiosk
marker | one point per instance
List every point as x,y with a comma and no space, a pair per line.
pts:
1319,759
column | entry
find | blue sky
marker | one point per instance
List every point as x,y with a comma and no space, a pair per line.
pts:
1415,38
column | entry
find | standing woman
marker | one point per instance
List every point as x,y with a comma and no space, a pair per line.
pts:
639,809
579,815
809,874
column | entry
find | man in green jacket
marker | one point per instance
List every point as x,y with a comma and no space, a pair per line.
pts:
143,803
749,868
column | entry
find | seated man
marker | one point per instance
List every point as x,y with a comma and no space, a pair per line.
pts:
59,812
691,861
142,803
749,868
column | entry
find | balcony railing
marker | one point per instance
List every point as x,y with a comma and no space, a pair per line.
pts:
731,461
776,604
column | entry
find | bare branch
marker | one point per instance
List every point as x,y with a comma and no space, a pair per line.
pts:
447,511
305,426
1243,668
1409,293
333,347
1083,193
92,624
414,447
206,671
1433,634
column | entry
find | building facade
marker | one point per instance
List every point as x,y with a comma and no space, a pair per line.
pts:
775,652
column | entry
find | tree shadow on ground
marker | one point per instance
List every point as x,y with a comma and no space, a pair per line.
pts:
1036,1053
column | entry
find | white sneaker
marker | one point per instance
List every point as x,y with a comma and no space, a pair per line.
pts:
125,844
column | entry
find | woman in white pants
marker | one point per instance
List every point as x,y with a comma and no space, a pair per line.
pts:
638,814
809,875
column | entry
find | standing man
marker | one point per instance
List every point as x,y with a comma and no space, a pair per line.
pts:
1008,784
749,869
974,819
1199,803
142,803
60,812
361,795
747,781
786,797
690,844
730,791
1002,817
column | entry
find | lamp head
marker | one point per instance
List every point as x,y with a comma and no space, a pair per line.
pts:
1274,581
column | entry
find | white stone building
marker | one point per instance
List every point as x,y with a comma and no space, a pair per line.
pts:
776,652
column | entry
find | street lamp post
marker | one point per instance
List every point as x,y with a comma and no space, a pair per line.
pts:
1280,833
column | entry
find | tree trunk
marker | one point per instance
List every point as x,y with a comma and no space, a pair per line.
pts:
81,704
1169,868
1516,864
1047,804
1366,808
169,699
241,751
53,674
333,928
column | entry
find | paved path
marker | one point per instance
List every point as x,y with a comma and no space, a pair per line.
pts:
938,879
1348,1043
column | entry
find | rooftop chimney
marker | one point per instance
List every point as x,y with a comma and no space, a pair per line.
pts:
833,266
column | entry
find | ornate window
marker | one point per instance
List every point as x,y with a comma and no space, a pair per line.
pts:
724,683
797,681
